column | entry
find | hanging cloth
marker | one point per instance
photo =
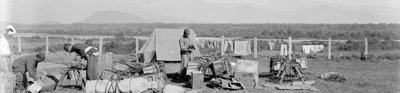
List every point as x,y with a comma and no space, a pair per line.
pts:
271,45
307,48
228,44
317,48
284,49
242,48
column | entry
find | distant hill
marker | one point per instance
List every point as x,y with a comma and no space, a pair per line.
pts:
112,16
49,22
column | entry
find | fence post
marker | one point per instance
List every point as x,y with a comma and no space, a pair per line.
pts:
366,46
137,49
222,44
255,47
101,47
19,44
72,41
329,48
290,48
47,45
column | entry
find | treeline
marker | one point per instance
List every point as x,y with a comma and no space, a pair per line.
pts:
270,30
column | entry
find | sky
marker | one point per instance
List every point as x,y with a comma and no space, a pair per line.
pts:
208,11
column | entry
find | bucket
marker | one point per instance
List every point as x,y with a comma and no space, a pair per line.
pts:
150,69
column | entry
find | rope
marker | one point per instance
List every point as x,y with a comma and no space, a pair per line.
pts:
117,80
95,86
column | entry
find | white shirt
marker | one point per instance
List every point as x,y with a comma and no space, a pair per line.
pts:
4,46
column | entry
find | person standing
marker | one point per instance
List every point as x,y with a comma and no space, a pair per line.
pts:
90,54
5,54
186,46
26,64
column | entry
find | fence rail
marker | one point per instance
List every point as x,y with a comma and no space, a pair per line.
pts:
222,38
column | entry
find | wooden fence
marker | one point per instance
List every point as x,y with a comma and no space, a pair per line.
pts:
137,38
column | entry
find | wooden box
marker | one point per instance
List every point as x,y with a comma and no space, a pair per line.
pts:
197,80
247,66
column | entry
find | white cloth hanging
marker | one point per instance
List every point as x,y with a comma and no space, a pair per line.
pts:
318,48
242,47
271,45
312,48
228,43
284,49
307,48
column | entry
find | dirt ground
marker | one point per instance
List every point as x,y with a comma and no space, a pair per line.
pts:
361,77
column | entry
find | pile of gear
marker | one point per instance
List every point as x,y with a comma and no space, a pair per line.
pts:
227,72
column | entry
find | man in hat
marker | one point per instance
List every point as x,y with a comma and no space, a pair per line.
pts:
90,54
5,53
186,46
4,46
26,64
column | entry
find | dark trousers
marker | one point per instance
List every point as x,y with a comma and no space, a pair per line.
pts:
20,81
184,63
91,73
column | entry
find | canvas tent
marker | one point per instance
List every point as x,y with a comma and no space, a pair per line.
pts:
163,45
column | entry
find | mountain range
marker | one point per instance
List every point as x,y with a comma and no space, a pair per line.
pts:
196,11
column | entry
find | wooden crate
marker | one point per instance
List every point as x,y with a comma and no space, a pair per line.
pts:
247,66
197,80
192,66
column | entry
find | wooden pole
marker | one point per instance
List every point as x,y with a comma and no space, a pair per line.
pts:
137,50
72,41
19,44
47,45
255,47
222,45
100,47
290,48
329,48
366,46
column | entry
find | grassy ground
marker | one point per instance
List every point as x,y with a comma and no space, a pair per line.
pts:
361,76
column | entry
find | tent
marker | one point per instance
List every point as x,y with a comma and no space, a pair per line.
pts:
163,45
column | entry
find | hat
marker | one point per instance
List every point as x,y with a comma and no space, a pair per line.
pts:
67,47
10,30
41,56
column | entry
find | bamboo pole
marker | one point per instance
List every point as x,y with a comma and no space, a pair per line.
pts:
255,47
